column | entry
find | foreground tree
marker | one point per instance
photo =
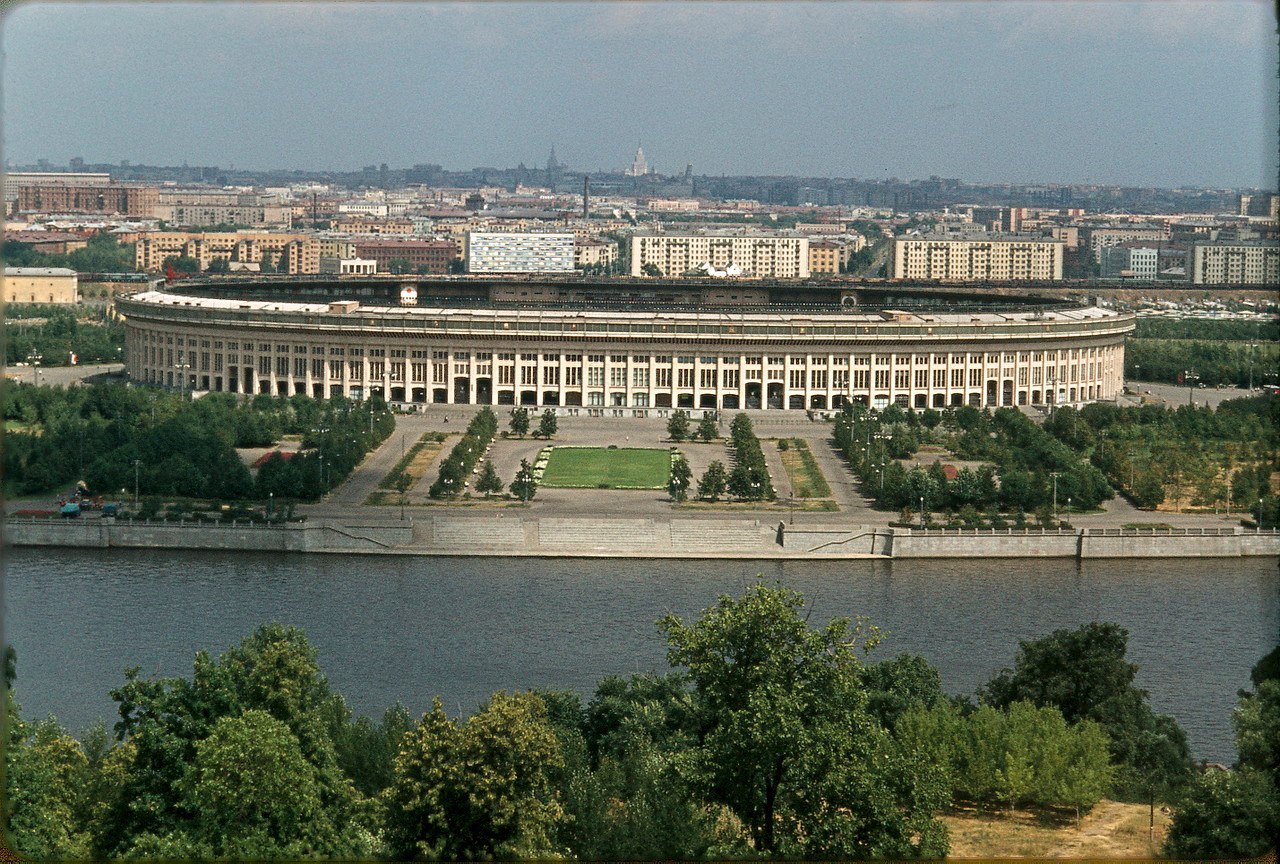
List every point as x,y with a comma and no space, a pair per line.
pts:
707,429
1225,814
713,482
788,744
678,426
524,486
1084,674
488,482
478,790
520,421
679,480
548,424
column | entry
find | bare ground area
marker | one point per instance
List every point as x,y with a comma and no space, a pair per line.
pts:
1110,830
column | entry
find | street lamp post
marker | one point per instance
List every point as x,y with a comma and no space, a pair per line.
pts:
1190,377
1054,475
136,464
34,357
922,511
182,370
882,464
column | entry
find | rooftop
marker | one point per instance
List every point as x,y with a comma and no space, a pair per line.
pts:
39,271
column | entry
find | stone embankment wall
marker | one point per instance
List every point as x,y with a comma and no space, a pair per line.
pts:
647,538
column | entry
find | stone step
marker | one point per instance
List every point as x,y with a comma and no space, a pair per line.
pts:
466,531
601,533
709,534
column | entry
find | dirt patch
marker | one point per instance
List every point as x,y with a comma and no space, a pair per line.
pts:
1110,830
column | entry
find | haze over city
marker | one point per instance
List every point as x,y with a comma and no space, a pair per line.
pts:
1155,94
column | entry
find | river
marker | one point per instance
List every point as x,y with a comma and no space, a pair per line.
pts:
408,629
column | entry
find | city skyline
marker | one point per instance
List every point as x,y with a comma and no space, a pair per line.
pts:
1018,93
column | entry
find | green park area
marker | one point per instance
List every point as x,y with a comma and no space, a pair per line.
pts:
607,468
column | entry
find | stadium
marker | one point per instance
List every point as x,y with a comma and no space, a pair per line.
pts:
622,347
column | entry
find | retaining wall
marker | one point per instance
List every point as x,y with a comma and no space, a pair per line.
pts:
304,537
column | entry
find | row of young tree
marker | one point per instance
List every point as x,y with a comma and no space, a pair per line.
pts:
679,428
462,459
548,423
769,738
748,480
88,333
115,438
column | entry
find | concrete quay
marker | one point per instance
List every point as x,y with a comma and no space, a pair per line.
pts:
500,535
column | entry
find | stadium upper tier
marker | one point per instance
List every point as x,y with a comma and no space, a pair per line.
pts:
623,345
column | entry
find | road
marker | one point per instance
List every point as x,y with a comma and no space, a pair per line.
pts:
1175,395
61,376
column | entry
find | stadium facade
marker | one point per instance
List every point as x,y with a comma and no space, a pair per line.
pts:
623,347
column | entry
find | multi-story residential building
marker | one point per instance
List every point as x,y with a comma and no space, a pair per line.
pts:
1143,261
298,253
421,256
755,253
1260,205
674,205
203,214
1102,237
40,285
825,256
996,257
15,180
365,225
1241,263
590,252
510,252
111,198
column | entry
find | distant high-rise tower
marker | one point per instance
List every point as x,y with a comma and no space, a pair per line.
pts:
639,167
554,168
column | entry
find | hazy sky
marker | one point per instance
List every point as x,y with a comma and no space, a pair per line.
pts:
1149,93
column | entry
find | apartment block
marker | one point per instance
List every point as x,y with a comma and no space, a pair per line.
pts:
503,252
1242,263
780,256
997,258
65,198
299,253
424,256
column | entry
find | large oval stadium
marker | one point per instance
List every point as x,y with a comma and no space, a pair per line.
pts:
620,347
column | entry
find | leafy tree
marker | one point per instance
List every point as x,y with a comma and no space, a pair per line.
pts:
788,744
45,773
181,264
678,426
713,482
678,482
548,424
218,265
520,421
707,430
899,683
489,482
253,793
477,790
399,266
1083,673
524,486
1225,814
1257,727
652,270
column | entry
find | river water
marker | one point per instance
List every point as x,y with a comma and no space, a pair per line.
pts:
408,629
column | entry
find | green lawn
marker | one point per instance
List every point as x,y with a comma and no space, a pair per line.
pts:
600,468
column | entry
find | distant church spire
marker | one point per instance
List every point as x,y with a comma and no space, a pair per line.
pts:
552,164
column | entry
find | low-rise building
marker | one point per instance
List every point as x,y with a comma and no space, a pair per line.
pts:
510,252
48,242
419,256
41,285
996,257
348,266
590,252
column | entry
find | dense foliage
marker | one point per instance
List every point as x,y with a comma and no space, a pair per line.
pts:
1226,330
1210,457
111,436
748,480
54,333
769,738
457,466
102,254
1025,456
1216,364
